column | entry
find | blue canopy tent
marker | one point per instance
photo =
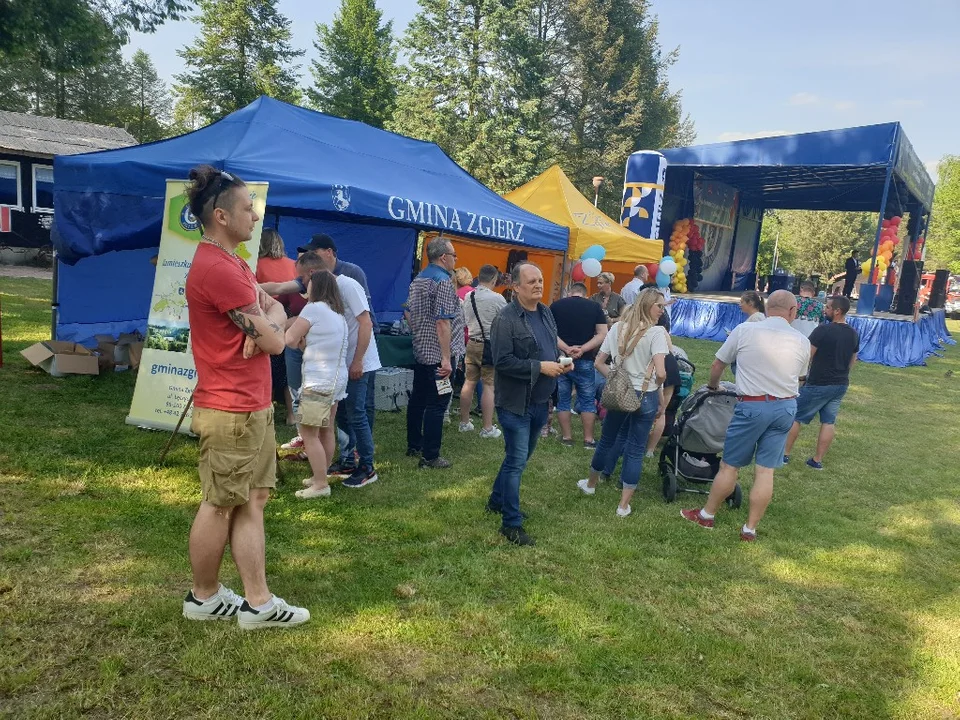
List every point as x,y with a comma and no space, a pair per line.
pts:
873,168
370,189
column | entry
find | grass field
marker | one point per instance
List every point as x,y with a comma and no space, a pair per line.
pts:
847,607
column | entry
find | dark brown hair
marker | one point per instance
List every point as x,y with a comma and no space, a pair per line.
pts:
753,299
208,189
323,288
839,302
310,261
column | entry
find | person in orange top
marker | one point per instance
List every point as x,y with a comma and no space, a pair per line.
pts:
273,265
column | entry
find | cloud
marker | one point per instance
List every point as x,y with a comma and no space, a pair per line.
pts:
736,135
803,98
931,166
844,105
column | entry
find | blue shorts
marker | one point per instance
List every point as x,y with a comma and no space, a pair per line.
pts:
759,430
582,376
823,399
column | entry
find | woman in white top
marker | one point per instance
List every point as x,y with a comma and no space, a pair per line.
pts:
641,346
321,331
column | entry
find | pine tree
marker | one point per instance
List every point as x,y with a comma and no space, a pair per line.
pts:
355,72
614,97
461,88
149,110
243,51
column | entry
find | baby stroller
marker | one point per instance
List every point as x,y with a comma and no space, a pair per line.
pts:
692,451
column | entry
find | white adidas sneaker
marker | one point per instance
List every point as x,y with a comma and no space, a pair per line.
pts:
224,605
280,614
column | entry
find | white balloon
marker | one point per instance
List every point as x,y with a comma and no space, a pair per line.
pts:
668,266
591,267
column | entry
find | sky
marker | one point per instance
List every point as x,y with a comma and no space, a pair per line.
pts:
748,68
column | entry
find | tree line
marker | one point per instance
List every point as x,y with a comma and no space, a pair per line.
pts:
505,87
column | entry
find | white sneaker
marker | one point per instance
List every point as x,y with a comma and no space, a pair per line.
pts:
649,454
310,493
280,614
585,488
466,426
223,605
493,432
294,444
623,512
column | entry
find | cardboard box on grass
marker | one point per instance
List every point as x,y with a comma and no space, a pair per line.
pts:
61,358
106,349
119,353
128,350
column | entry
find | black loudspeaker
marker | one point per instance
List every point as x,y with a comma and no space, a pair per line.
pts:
938,293
909,287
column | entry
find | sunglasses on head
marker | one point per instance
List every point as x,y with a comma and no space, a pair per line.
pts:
226,180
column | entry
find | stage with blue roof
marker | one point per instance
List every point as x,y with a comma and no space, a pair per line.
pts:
726,187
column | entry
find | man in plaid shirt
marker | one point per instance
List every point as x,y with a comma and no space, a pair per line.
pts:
436,318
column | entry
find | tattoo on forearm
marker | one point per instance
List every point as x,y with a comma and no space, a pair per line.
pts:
243,321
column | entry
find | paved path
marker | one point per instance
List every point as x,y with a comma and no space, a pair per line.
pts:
25,271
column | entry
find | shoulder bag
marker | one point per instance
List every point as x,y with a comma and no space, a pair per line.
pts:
619,394
487,350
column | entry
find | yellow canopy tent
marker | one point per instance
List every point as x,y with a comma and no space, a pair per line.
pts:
551,195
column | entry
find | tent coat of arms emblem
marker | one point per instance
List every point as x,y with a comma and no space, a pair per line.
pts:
341,197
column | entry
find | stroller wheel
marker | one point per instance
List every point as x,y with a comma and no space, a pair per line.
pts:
669,484
736,497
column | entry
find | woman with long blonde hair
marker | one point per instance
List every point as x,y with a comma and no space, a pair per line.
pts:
639,346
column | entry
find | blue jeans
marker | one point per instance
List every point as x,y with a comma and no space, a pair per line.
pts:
520,435
293,357
583,377
638,426
345,439
613,457
352,420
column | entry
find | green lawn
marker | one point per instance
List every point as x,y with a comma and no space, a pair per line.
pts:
847,607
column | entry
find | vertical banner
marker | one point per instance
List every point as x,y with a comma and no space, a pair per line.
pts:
643,184
167,374
715,212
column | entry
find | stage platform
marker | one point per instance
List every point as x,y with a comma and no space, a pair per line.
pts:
885,339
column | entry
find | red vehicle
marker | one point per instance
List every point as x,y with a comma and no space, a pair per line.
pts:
926,284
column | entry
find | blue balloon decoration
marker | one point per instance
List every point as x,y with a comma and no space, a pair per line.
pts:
666,257
594,252
663,280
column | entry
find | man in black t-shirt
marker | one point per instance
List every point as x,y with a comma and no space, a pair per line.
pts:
581,328
833,351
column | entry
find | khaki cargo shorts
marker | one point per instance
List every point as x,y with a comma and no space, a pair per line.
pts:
475,369
238,451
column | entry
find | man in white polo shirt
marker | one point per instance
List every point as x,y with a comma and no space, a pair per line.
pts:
771,357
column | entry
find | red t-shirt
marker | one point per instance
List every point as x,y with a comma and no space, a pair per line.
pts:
216,284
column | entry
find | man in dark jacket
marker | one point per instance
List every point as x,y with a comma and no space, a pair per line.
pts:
525,353
852,269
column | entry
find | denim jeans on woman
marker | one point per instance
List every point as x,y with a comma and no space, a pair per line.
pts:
638,426
520,435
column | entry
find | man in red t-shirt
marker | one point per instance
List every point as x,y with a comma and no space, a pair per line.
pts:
234,326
